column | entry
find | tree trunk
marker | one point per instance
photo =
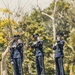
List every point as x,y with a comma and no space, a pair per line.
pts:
3,67
53,20
71,69
29,69
3,62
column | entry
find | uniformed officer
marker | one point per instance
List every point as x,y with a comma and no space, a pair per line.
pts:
16,55
38,45
58,47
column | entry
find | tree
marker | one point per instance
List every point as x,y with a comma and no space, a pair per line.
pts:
71,46
3,62
37,22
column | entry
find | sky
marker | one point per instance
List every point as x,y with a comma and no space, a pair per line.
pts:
26,5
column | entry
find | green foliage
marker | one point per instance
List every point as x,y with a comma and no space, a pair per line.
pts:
38,23
31,25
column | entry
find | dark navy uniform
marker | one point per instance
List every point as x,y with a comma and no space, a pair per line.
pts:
58,47
39,57
16,56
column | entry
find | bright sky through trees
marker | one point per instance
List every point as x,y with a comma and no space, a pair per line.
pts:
26,4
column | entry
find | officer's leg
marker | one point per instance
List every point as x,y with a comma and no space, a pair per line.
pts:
37,66
41,64
19,62
57,66
61,66
15,67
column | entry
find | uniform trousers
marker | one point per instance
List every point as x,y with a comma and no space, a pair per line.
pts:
59,66
17,66
40,65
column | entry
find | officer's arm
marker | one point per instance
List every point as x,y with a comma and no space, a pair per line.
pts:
22,53
33,46
61,43
19,44
40,43
11,54
20,47
54,46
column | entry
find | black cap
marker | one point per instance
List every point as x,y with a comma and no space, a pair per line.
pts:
16,36
35,35
60,34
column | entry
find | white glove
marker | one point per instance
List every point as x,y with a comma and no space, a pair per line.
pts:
55,44
12,63
35,43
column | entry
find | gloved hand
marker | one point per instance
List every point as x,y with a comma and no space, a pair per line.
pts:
12,63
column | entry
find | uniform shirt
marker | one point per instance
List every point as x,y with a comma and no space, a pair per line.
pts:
38,48
16,51
58,47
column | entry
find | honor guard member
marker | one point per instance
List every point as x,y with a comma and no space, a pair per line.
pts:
58,47
38,45
16,55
